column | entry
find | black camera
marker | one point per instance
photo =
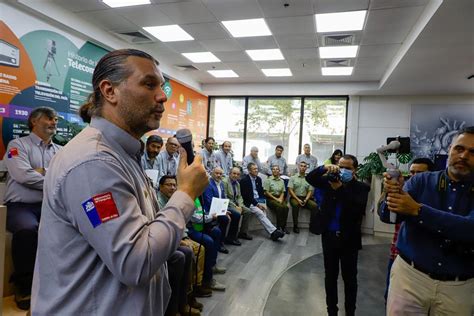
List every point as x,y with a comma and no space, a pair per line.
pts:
334,177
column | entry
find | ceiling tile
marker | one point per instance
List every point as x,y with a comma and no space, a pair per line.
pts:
187,12
245,68
292,25
296,41
225,10
108,20
271,64
330,6
387,50
186,47
149,15
299,53
275,8
221,45
385,4
234,56
259,42
79,6
390,26
206,31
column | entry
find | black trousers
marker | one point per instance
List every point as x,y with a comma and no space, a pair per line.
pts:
335,253
23,221
179,269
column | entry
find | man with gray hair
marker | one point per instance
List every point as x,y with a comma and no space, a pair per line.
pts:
224,157
168,159
27,159
252,158
310,160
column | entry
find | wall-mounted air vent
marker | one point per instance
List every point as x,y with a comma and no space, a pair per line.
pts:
337,63
134,37
185,67
339,40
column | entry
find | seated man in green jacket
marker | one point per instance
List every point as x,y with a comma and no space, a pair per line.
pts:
274,189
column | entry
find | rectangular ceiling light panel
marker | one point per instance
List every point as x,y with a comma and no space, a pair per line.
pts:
223,73
277,72
169,33
340,21
203,57
338,51
124,3
265,54
337,71
247,28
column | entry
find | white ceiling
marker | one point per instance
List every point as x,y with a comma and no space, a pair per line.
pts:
396,54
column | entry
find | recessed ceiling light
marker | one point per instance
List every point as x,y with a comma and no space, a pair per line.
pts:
169,33
247,28
337,71
340,21
277,72
124,3
204,57
223,73
338,51
265,54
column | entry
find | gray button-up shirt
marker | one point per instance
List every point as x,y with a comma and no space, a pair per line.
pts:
248,159
224,161
147,163
208,160
167,164
280,162
101,250
23,155
310,160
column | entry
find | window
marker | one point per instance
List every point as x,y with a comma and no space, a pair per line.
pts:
226,122
324,125
272,122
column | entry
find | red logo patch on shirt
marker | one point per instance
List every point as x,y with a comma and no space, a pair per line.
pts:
105,206
13,152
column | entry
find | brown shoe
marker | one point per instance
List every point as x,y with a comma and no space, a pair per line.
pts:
194,303
189,311
202,291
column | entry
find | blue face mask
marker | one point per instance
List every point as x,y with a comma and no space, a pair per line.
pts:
346,175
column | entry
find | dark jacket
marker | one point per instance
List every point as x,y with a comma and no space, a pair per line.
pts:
210,192
353,196
246,190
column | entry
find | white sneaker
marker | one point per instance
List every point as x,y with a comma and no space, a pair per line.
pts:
219,270
216,286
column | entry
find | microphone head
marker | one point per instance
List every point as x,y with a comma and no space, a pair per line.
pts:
394,144
184,136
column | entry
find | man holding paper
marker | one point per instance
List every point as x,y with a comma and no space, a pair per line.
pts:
215,189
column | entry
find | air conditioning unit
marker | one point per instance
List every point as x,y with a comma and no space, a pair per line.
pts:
134,37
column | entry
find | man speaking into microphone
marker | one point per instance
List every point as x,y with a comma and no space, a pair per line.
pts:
102,250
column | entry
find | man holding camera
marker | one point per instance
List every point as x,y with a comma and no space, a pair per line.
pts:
343,204
434,271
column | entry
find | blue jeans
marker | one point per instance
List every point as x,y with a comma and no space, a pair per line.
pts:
210,238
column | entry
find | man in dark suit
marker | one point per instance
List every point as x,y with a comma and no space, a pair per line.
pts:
251,189
216,189
344,200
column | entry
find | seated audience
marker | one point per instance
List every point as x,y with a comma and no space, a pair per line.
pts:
224,158
233,192
334,159
300,194
232,219
311,161
168,159
274,190
252,158
277,160
208,156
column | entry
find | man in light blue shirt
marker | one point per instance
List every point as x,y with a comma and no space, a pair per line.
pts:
152,149
168,159
252,158
224,158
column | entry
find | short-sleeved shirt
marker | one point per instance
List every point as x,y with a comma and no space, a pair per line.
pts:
208,160
299,185
148,163
310,160
274,186
280,162
22,156
102,249
248,159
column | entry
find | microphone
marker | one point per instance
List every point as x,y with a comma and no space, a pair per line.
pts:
393,145
185,138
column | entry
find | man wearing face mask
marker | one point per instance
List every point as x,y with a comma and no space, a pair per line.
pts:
343,204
